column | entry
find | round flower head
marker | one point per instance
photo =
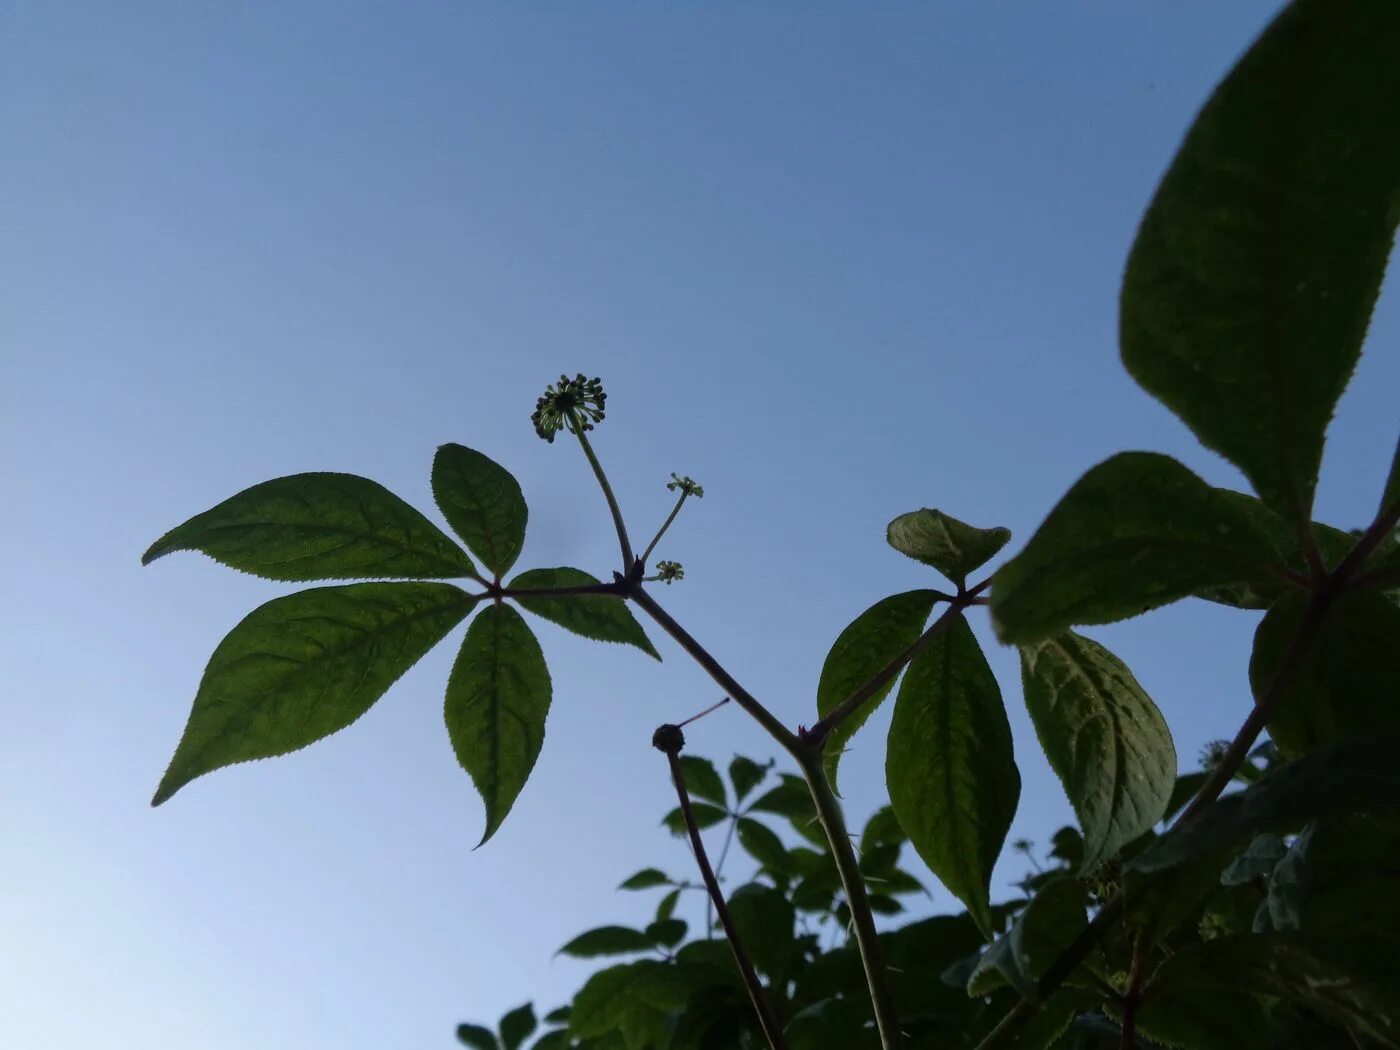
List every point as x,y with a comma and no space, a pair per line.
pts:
669,571
686,485
1214,753
572,404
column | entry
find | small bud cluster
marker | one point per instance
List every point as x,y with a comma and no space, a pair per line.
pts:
1214,753
572,404
669,571
686,485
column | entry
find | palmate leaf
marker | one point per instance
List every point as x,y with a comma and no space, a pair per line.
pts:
305,665
320,526
1136,532
498,697
1250,285
598,616
870,642
482,502
1104,737
949,766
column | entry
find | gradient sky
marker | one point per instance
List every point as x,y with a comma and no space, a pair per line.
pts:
835,261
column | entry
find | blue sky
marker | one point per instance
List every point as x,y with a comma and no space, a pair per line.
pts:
835,261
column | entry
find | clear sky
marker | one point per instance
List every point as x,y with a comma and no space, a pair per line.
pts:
836,261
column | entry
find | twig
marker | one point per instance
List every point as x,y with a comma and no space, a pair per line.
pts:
685,494
670,740
628,562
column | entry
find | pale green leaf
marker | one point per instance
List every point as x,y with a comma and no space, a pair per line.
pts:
953,547
482,502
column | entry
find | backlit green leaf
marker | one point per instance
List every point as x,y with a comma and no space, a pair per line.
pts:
598,616
477,1037
319,527
1358,774
483,504
706,816
701,779
953,547
607,940
305,665
646,879
1348,679
1104,737
1137,531
745,774
1053,918
949,767
667,932
764,918
870,642
763,845
517,1025
498,696
1250,285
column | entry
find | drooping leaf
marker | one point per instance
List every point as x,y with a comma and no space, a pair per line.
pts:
477,1037
1348,679
597,616
764,918
706,816
305,665
869,643
1257,861
483,504
607,940
319,526
1350,981
1053,918
1250,286
1358,774
666,907
763,845
1104,737
745,774
517,1025
949,766
646,879
953,547
701,779
498,697
1136,532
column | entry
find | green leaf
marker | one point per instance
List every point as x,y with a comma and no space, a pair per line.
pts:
303,666
949,766
1104,737
483,504
745,774
1348,981
1290,882
1187,785
1198,1018
1054,917
760,842
764,919
793,799
517,1025
318,527
882,829
701,780
869,643
667,906
498,696
631,999
1357,774
706,816
607,940
1347,681
646,879
476,1037
1250,285
1257,861
558,1039
1136,532
597,616
667,932
953,547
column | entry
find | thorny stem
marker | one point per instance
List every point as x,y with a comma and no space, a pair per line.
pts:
1324,592
853,883
622,541
664,526
766,1019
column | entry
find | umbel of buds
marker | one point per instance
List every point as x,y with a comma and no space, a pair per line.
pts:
572,404
669,571
686,485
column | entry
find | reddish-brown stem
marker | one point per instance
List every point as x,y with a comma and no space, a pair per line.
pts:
1132,997
757,996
